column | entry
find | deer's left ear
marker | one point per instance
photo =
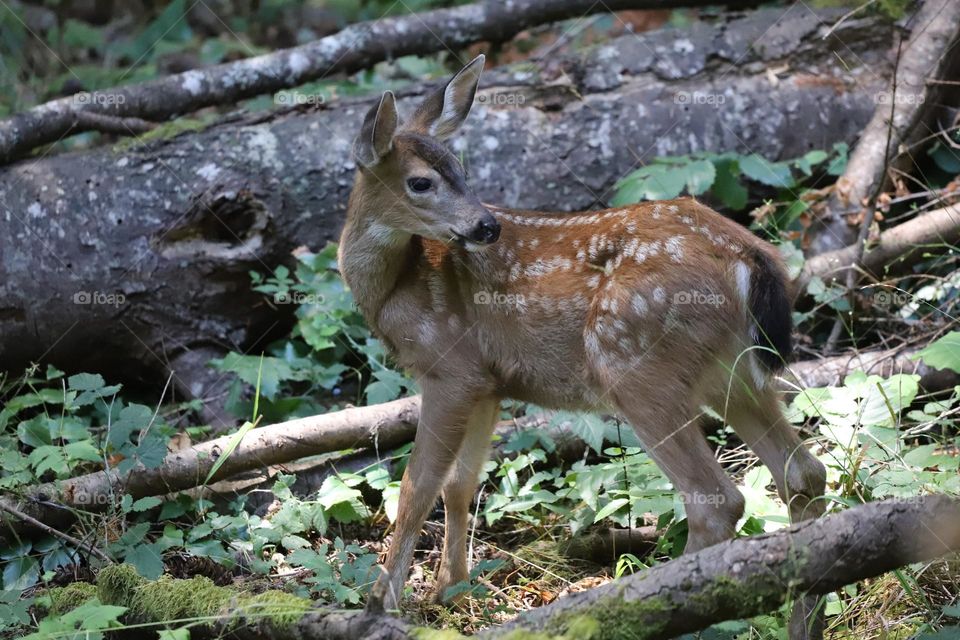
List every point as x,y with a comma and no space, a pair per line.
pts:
442,113
376,135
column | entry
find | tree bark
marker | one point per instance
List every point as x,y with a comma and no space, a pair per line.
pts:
732,580
831,371
122,110
382,426
134,262
754,575
895,249
909,102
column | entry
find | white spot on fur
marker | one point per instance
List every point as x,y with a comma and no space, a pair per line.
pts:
674,248
209,171
659,295
742,273
639,305
593,281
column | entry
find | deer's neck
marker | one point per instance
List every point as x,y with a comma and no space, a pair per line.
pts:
372,257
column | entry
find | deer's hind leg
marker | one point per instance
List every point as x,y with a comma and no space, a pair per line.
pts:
666,425
799,476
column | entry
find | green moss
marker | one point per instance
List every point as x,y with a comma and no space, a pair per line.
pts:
117,584
622,620
68,598
163,131
172,599
733,596
284,609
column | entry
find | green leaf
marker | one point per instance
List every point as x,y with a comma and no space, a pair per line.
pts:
20,573
147,559
943,353
389,385
612,507
144,504
700,176
774,174
86,382
234,443
838,164
82,450
36,431
182,633
248,368
727,185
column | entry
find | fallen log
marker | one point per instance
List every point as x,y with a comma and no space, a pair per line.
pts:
831,370
754,575
128,110
894,250
382,426
732,580
145,251
904,111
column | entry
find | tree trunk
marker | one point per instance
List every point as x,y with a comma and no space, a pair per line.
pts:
134,261
732,580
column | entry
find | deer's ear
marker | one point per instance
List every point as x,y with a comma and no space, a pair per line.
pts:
376,135
442,113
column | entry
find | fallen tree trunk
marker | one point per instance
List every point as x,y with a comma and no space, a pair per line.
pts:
145,252
123,110
732,580
894,250
830,371
754,575
380,426
910,102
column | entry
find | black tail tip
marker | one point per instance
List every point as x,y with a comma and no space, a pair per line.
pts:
771,310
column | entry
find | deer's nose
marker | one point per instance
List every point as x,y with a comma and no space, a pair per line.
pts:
487,230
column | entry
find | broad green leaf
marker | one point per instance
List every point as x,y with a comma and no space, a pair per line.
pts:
943,353
147,559
727,185
20,573
700,176
610,508
774,174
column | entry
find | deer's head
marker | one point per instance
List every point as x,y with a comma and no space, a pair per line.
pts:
411,180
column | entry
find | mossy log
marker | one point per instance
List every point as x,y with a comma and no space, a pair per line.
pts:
134,261
732,580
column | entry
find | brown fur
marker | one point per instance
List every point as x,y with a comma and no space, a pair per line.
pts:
640,310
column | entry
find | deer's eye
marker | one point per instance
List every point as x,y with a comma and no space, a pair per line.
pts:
419,185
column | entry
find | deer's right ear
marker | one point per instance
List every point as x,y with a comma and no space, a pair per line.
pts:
376,135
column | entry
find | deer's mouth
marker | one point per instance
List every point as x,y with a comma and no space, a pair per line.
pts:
466,243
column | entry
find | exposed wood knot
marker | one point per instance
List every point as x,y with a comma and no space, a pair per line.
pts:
225,223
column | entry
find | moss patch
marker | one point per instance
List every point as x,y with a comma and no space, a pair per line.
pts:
68,598
284,609
169,599
172,599
621,620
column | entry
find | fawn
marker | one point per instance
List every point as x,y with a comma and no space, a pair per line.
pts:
649,311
